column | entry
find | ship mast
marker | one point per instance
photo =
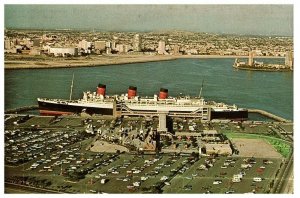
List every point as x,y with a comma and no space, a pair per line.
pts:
201,89
71,92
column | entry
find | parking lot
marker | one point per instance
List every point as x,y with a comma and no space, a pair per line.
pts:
54,153
189,181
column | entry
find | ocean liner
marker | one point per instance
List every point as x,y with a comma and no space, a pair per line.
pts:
132,104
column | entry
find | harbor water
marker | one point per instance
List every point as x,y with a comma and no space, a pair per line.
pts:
269,91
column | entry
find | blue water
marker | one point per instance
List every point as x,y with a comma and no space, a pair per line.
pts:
270,91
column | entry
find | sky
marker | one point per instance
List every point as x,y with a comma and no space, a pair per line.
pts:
235,19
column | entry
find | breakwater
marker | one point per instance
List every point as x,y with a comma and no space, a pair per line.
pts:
269,115
21,109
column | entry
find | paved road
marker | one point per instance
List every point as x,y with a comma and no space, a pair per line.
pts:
288,185
18,189
286,179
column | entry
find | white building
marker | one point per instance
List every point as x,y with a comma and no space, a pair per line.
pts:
59,51
121,48
84,45
100,45
289,59
161,47
108,50
137,43
108,44
176,49
113,45
7,44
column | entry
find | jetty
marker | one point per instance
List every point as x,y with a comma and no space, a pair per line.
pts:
269,115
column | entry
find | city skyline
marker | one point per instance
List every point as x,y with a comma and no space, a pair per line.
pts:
228,19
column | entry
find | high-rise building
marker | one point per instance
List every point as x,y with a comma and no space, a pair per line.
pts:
100,45
161,47
84,44
108,44
250,60
15,42
113,45
137,43
108,50
176,50
289,59
121,48
7,44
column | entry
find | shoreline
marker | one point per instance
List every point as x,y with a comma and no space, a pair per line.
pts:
263,69
95,61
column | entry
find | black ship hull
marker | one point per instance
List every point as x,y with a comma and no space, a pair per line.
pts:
47,108
232,115
65,109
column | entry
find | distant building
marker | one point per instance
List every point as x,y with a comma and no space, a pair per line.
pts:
161,47
85,45
35,51
121,48
137,43
7,44
63,51
289,59
108,44
108,50
113,45
26,41
48,37
16,41
176,50
258,53
100,45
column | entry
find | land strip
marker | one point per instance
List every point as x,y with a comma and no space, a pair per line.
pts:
41,62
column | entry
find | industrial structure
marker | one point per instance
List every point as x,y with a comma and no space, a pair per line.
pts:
255,65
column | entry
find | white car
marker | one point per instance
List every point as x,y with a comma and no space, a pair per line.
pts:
217,182
144,178
257,179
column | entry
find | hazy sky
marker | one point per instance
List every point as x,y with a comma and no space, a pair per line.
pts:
244,19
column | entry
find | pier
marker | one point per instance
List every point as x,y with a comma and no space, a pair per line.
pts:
269,115
124,113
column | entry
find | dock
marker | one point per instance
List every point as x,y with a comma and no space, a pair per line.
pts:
259,111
